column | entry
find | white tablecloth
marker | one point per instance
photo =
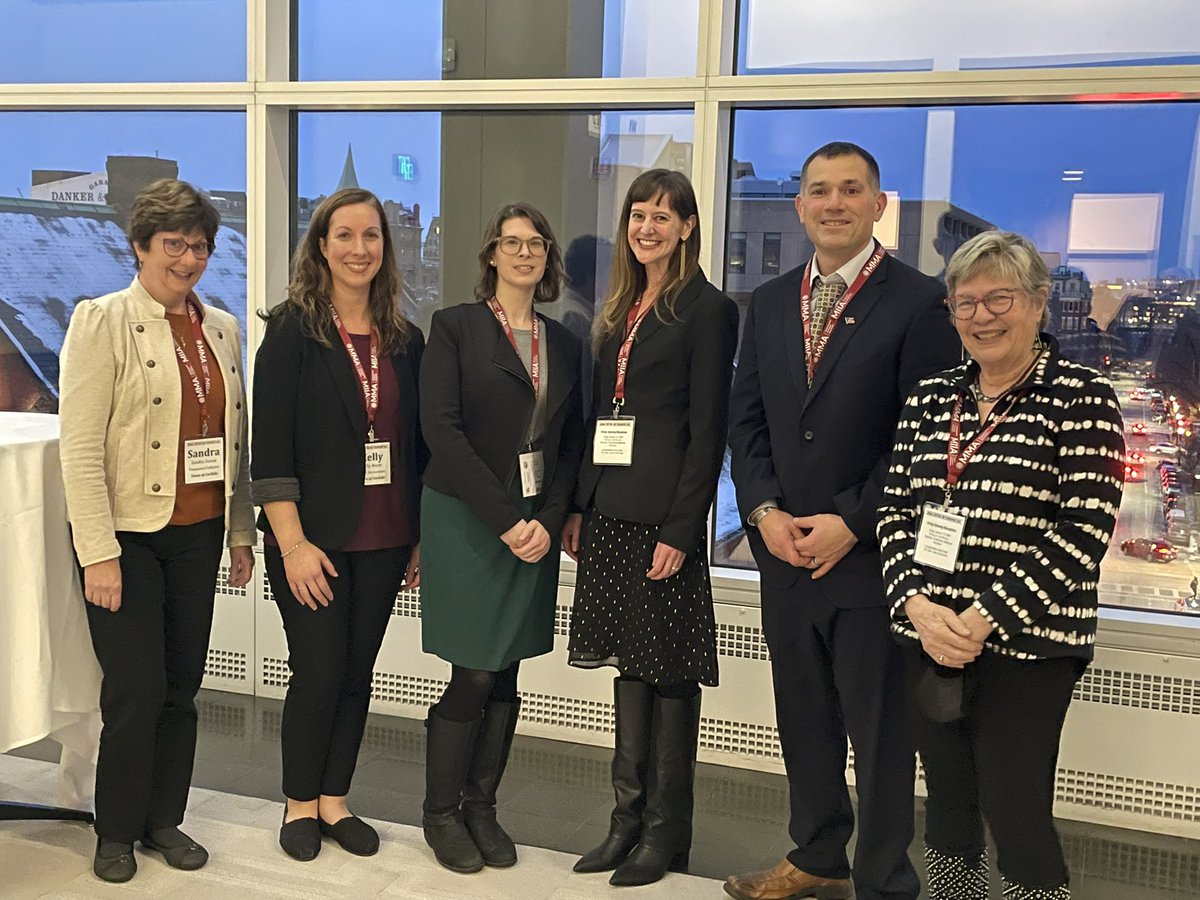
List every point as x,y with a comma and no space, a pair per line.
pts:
49,677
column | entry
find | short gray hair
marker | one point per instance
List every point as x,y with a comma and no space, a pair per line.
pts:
1005,254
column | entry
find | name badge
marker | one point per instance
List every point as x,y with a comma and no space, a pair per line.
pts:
613,444
379,463
939,536
533,467
203,460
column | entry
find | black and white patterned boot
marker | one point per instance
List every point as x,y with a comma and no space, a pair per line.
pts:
957,877
1014,891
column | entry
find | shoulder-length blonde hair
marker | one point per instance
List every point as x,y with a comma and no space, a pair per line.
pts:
311,284
628,279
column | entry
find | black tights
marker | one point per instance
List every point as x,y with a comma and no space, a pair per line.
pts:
470,690
676,690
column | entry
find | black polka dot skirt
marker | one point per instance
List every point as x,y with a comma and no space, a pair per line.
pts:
659,631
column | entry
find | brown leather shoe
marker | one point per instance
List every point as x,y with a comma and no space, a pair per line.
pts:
786,882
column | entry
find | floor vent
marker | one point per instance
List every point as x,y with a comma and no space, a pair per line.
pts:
275,672
1149,868
227,664
225,719
1131,795
741,641
1140,690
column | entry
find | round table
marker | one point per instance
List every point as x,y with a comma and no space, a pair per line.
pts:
49,677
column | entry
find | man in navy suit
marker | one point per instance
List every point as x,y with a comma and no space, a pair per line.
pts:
829,354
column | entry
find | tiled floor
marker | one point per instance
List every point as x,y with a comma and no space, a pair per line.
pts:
557,795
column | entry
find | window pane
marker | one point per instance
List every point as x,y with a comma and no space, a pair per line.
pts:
772,246
64,191
575,167
1116,216
948,35
735,259
466,39
122,40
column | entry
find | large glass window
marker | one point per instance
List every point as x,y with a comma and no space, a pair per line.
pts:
1113,204
65,189
778,36
122,40
381,40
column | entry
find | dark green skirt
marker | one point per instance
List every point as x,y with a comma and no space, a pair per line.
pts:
481,607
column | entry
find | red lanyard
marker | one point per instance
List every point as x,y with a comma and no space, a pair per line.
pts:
957,456
535,362
202,389
370,386
814,348
633,321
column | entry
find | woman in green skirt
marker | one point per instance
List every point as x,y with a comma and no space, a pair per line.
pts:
501,413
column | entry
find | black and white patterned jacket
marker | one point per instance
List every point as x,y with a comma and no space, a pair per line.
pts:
1041,494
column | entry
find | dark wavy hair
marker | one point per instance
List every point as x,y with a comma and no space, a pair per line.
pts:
311,284
552,279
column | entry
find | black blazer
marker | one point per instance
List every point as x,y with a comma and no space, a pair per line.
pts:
476,403
825,449
310,425
677,387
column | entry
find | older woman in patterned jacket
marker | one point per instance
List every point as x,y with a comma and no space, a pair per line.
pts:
1000,501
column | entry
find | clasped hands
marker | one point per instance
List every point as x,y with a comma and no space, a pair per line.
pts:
665,562
528,540
949,639
815,542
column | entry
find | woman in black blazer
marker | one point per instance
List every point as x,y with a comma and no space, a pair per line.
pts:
656,438
336,462
500,407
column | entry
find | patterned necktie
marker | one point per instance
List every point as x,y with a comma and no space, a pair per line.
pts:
826,292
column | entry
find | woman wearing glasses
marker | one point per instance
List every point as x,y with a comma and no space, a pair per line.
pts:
154,462
999,505
500,407
337,461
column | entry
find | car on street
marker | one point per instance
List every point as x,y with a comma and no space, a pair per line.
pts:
1170,449
1151,549
1134,457
1137,428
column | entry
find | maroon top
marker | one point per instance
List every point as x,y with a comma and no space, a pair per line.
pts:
382,522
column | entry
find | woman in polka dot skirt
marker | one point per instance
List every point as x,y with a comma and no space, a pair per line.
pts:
664,344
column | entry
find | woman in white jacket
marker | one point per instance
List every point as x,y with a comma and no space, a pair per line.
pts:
154,458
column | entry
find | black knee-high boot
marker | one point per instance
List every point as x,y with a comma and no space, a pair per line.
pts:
634,701
449,746
667,819
492,747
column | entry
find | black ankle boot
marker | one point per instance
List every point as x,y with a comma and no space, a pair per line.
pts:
634,701
448,750
492,747
667,819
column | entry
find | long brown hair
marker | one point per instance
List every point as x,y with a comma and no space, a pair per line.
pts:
552,278
311,284
628,279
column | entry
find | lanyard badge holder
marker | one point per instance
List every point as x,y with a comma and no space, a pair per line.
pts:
203,456
612,443
531,464
377,468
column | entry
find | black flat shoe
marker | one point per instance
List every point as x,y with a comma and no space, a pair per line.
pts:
300,838
353,834
179,850
114,861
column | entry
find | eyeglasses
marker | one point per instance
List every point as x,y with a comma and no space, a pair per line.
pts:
176,247
997,303
511,246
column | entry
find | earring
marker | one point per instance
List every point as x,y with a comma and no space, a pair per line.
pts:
682,258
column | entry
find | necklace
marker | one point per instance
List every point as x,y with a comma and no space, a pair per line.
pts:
977,388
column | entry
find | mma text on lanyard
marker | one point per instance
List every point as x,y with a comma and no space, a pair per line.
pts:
940,533
203,457
532,462
612,444
814,347
378,467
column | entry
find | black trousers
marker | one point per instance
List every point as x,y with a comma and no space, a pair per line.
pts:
838,673
998,762
152,652
331,651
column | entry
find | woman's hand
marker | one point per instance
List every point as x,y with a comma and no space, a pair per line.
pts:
944,636
241,566
534,544
102,584
306,567
665,563
571,534
412,574
515,536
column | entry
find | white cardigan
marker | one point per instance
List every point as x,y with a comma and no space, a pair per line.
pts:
119,410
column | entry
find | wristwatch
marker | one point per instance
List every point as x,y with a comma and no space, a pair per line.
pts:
758,515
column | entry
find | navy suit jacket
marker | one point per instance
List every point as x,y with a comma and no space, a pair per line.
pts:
825,448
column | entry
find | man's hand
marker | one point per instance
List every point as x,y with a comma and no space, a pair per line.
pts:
780,533
825,540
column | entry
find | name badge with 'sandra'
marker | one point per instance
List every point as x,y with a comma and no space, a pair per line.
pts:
203,460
